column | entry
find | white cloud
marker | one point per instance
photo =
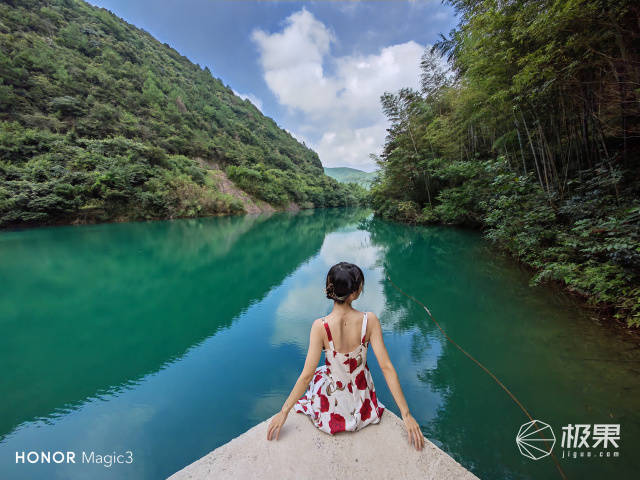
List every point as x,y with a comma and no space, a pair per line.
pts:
292,323
350,246
348,7
341,110
251,97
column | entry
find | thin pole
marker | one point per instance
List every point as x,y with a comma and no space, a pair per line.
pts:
502,385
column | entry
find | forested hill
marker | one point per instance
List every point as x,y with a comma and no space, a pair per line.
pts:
533,136
100,121
350,175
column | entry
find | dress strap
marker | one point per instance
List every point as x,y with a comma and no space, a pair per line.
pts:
363,333
326,327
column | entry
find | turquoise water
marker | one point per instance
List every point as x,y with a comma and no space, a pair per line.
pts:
168,339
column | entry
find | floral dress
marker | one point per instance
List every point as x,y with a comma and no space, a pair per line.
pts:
341,396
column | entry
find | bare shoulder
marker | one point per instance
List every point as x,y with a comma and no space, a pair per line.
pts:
316,330
372,319
317,324
373,323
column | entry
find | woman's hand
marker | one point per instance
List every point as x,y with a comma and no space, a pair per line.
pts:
413,430
276,424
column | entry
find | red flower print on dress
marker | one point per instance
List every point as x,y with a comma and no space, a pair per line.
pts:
374,398
334,413
336,423
365,409
352,362
324,403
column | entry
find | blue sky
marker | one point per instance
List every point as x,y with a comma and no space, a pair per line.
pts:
317,68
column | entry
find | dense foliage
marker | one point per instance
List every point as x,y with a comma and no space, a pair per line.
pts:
99,121
533,135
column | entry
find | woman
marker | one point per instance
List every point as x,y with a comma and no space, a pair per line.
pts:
340,395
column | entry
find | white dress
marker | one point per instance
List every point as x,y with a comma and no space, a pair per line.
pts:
341,395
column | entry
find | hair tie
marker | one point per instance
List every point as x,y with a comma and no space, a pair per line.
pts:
331,293
329,290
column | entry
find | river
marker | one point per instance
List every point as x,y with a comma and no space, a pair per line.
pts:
168,339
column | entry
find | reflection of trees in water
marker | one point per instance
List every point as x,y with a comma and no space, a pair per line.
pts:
116,302
476,422
421,261
432,264
484,302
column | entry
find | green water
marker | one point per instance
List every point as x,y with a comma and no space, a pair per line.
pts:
168,339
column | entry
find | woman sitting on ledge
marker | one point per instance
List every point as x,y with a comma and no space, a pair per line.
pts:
340,395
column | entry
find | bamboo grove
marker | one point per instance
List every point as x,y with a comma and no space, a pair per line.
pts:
527,125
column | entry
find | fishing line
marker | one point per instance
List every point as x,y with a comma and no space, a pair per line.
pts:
471,357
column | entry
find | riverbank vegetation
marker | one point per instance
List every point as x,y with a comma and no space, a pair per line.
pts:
100,121
532,135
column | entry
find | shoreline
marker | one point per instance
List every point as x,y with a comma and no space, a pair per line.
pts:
76,223
604,312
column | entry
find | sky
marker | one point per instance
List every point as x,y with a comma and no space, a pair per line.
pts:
318,68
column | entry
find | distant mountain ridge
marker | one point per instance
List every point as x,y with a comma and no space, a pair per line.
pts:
350,175
99,121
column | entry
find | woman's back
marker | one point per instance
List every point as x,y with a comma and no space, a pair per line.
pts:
346,332
342,396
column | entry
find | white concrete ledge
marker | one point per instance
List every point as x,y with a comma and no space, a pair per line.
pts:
379,451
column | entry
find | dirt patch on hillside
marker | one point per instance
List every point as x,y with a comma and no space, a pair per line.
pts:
225,185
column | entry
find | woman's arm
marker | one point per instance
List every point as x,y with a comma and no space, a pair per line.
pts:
310,365
391,377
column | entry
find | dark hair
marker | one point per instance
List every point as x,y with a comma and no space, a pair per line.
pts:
342,280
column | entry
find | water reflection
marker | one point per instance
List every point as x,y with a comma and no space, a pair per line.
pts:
305,292
533,339
89,310
171,338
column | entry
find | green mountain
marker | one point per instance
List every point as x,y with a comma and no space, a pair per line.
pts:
99,121
351,175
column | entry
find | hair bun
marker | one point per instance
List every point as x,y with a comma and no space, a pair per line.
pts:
342,280
330,291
